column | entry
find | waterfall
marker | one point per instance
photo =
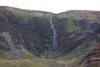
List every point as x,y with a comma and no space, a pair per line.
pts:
54,38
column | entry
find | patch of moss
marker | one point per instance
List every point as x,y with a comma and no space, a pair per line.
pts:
71,26
53,54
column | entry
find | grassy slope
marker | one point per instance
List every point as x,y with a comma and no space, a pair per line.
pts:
32,63
27,14
71,27
23,63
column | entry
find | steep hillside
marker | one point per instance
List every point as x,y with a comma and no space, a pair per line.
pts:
68,35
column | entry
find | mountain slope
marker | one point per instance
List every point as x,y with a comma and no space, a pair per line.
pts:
25,33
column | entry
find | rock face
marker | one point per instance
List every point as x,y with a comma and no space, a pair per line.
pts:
24,32
92,59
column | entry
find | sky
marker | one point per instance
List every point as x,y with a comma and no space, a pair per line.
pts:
55,6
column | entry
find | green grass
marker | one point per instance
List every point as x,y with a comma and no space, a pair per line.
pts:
32,63
25,14
81,50
23,63
53,54
71,27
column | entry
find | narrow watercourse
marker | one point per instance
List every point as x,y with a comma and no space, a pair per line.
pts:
54,36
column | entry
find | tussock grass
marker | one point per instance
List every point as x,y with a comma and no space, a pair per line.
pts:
23,63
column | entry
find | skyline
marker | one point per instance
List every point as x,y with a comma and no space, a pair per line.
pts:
54,6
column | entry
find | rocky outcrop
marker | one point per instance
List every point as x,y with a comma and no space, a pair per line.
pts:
92,59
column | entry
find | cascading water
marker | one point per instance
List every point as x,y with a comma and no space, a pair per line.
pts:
54,38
